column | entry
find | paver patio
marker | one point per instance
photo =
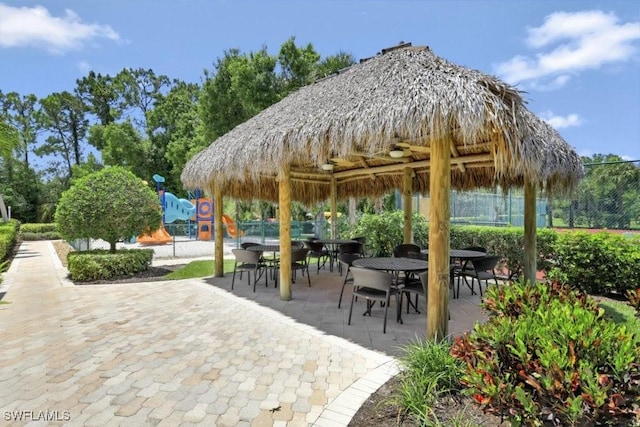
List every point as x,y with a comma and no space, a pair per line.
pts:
189,352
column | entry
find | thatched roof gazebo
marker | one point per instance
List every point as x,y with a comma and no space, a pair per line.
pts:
403,119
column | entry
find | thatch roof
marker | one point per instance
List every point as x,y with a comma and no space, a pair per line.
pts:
408,98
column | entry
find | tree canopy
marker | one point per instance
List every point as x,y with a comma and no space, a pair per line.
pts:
112,204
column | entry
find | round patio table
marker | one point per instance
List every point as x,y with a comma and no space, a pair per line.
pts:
392,264
463,255
333,250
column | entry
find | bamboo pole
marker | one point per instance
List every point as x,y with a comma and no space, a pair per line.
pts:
218,252
438,289
284,198
530,243
407,192
334,208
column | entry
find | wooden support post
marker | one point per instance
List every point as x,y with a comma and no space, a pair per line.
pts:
334,208
407,203
530,251
284,198
438,290
218,252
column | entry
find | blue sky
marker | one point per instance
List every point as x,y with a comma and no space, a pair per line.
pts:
578,61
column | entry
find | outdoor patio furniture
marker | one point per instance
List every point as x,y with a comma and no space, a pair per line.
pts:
331,246
373,285
346,260
416,288
317,249
249,261
362,240
408,250
299,262
348,248
483,269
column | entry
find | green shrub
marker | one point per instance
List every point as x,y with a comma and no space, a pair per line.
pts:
553,358
384,231
49,235
103,265
507,242
428,372
8,237
39,227
597,263
516,300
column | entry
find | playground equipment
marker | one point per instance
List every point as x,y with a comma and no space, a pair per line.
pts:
232,227
198,209
173,209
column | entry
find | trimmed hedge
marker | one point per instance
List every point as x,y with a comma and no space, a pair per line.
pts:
597,263
594,263
102,265
8,237
507,242
39,231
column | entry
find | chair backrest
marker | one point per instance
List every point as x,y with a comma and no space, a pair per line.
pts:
246,256
486,263
350,248
245,245
407,250
475,248
313,246
347,258
298,255
424,280
372,279
297,244
362,240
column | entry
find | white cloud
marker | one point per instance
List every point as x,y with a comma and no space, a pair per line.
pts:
84,67
559,122
568,43
24,26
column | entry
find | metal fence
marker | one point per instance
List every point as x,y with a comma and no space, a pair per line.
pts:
608,197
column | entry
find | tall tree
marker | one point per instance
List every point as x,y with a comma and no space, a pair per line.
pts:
64,117
20,112
140,90
123,146
334,63
299,65
224,103
101,94
175,125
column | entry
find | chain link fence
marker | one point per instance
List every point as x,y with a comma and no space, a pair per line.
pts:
607,198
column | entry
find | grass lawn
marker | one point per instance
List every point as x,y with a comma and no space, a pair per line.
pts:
622,314
201,268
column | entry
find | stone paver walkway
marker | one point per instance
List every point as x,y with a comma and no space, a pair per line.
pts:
166,353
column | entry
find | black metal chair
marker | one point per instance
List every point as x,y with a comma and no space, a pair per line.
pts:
408,250
317,249
346,260
249,261
348,248
362,240
374,285
483,269
298,262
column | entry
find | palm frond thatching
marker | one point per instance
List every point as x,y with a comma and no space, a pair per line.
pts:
407,98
